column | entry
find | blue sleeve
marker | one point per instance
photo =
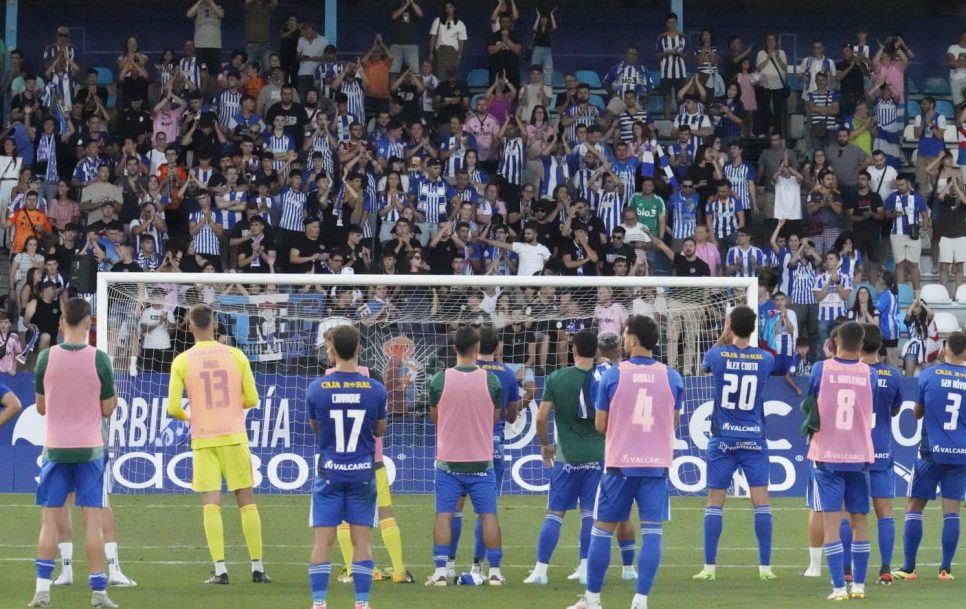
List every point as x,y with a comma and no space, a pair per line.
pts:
921,388
381,398
769,364
677,387
607,387
4,390
450,191
312,398
815,380
890,202
920,204
709,359
414,188
511,392
610,76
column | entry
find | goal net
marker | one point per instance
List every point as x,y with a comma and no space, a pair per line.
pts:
406,324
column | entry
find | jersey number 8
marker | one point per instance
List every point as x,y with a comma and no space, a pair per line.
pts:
845,409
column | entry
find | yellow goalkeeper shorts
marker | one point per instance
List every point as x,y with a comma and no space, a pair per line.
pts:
233,463
383,494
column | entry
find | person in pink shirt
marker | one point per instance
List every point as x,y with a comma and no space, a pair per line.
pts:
166,114
889,65
63,210
500,97
706,249
609,316
484,127
841,450
10,347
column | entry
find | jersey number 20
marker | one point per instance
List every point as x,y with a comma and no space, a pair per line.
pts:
739,392
340,418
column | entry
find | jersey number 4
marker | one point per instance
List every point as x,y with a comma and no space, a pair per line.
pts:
739,392
643,411
340,418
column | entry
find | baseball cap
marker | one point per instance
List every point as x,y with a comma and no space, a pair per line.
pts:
46,283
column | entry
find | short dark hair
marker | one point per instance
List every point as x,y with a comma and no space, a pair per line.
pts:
585,343
345,341
850,336
872,340
802,341
75,311
644,329
202,316
956,343
467,338
743,321
489,340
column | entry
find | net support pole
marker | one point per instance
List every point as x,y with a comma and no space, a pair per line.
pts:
101,307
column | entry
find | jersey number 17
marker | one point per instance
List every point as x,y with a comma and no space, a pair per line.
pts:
340,419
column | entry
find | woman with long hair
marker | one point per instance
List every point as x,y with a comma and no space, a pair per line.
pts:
392,201
850,259
707,57
30,258
863,309
10,165
479,177
447,37
772,65
132,72
919,323
888,306
747,78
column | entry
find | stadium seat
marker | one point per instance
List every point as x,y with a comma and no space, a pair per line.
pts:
936,86
933,293
912,109
905,295
590,77
946,323
655,105
909,133
950,135
479,77
655,77
925,265
796,126
105,77
911,87
961,294
795,83
557,79
552,106
945,107
597,100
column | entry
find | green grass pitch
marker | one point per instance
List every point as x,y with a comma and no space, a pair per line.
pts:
163,548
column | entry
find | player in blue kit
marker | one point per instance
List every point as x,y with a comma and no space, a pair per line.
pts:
940,400
489,349
347,411
886,400
740,373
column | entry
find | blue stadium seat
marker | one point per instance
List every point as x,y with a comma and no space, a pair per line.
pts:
597,100
795,83
912,109
479,77
655,105
590,77
105,76
557,79
911,87
945,107
655,77
552,106
905,295
473,100
936,86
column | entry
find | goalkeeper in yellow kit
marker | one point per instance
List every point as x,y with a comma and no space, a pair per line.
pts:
220,387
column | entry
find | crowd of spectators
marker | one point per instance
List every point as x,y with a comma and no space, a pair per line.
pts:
294,158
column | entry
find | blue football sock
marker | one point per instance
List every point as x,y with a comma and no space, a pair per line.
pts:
911,538
763,530
860,560
362,579
628,551
98,581
713,524
598,558
479,550
548,538
835,556
652,536
455,530
319,580
950,540
887,539
494,556
845,536
440,551
586,524
45,568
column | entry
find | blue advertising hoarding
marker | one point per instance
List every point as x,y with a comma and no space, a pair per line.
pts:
151,452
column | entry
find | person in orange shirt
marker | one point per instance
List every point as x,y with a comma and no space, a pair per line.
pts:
376,64
28,221
253,80
220,387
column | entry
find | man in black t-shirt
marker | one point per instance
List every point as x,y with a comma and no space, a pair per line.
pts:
686,263
867,213
257,254
308,251
504,48
454,100
577,255
615,249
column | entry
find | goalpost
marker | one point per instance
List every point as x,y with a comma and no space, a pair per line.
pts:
405,322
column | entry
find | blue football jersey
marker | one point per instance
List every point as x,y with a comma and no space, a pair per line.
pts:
346,407
511,393
887,397
739,388
941,394
588,395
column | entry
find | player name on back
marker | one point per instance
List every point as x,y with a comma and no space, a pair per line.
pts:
959,384
850,379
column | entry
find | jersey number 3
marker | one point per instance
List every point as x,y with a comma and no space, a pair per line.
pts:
339,419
